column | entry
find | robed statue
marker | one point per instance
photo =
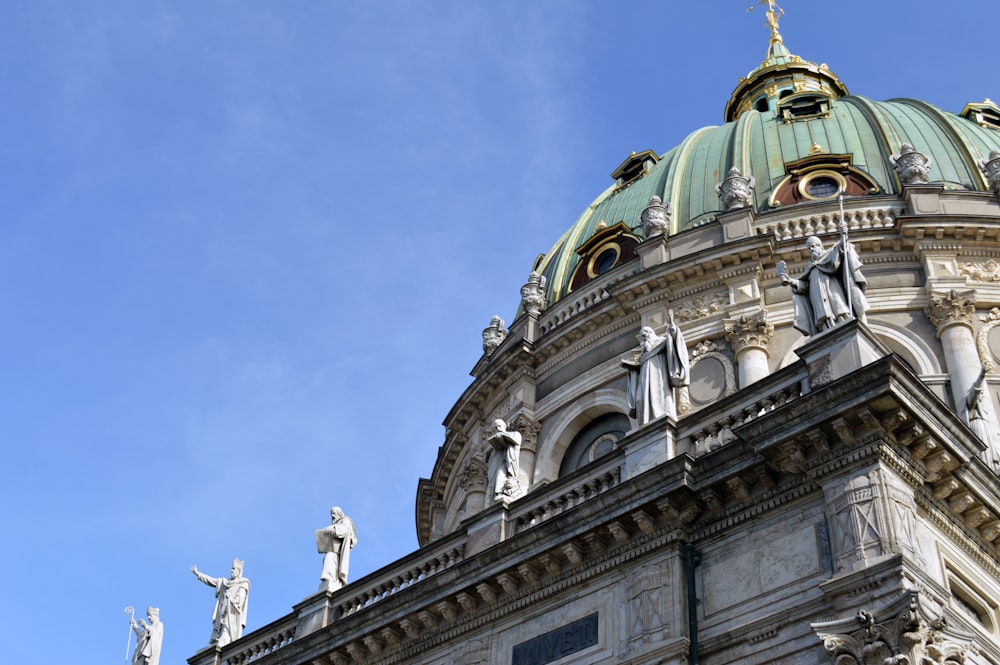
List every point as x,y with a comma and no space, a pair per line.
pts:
504,462
659,365
229,617
149,638
831,290
335,542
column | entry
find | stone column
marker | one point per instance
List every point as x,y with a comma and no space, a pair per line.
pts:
750,336
951,313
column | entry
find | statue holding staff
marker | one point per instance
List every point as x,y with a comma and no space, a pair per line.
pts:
149,638
831,290
659,365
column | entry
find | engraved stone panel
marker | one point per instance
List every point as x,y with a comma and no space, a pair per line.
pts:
759,563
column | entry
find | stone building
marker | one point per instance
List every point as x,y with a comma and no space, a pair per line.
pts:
822,498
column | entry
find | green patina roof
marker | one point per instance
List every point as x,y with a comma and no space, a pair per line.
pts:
760,144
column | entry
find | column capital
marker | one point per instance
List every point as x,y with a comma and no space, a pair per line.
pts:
952,307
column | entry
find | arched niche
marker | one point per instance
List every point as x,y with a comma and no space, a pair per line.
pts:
561,430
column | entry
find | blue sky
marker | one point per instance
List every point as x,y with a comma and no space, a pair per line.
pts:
247,249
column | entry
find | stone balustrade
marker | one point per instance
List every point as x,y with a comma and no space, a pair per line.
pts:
702,435
827,222
558,498
394,580
266,640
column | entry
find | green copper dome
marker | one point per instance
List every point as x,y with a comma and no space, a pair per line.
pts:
785,114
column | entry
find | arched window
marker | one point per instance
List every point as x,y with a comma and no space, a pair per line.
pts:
595,440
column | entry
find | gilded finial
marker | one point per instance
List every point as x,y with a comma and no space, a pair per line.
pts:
774,12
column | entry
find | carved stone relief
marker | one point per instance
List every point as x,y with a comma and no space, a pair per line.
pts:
988,271
647,618
701,306
871,516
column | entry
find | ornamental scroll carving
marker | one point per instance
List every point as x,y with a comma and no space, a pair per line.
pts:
952,307
907,636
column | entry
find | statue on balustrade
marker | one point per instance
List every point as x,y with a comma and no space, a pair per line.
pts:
504,462
149,638
831,290
229,617
659,365
335,543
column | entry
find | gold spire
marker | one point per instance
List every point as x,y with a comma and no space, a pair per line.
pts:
774,12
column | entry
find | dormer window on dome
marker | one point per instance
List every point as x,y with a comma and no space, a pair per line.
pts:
821,176
634,167
804,106
606,249
984,114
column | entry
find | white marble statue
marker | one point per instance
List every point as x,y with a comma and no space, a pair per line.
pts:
736,190
819,296
229,617
505,463
655,217
149,638
335,543
654,370
913,167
